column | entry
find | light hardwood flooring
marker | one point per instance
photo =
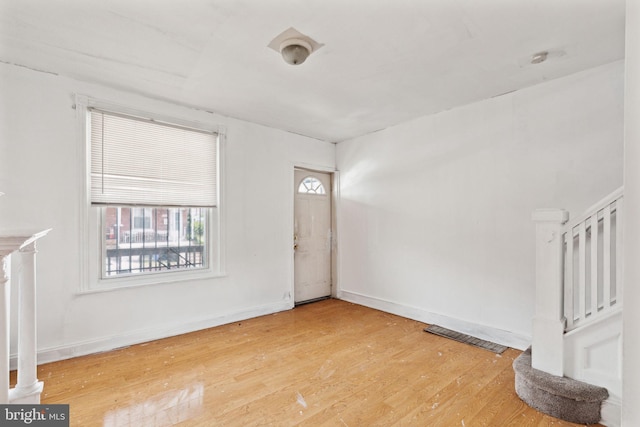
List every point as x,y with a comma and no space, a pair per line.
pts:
330,363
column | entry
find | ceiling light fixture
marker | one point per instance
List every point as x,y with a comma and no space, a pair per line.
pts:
547,55
295,51
539,57
294,46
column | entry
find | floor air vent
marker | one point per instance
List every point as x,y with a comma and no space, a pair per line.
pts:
467,339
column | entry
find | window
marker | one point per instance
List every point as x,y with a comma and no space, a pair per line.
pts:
311,185
159,239
155,185
141,218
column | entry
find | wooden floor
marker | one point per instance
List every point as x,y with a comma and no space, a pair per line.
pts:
330,363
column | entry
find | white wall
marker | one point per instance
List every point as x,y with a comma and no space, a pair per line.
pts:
631,315
40,174
435,214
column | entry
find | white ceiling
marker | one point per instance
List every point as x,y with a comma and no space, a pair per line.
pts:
383,61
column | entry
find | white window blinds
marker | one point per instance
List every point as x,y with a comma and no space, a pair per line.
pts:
145,163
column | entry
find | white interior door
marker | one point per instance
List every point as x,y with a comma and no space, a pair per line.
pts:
312,235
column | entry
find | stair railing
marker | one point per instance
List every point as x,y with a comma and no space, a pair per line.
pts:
578,275
593,262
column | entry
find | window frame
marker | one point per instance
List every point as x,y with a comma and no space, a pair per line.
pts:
308,192
92,240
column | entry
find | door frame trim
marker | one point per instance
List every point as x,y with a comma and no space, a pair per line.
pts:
335,179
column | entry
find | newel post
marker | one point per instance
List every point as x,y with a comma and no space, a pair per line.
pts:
548,322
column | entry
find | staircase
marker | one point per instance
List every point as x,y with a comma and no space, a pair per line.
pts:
562,397
575,364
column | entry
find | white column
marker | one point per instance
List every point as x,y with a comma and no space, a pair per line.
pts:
11,243
548,322
5,300
631,283
28,384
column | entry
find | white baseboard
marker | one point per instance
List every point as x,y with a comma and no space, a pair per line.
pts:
103,344
488,333
611,412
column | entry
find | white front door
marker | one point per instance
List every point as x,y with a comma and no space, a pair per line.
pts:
312,235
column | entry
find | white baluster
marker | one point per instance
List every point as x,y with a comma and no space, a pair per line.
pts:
593,309
582,272
619,247
569,286
606,258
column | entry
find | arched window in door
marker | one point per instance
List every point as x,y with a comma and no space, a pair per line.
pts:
311,185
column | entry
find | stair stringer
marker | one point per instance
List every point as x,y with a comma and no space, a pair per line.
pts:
593,354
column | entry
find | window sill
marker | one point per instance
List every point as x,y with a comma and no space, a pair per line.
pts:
128,282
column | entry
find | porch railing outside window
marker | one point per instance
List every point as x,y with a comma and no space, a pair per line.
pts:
145,240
